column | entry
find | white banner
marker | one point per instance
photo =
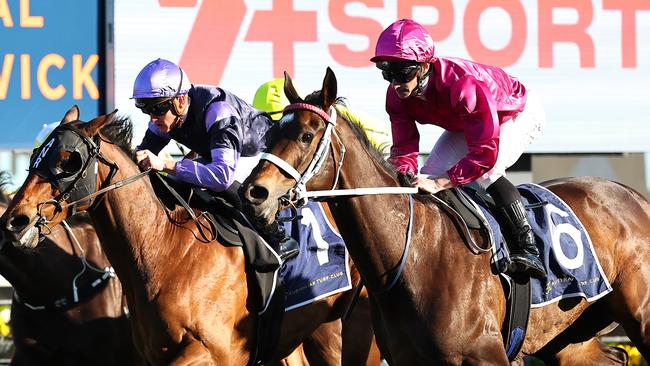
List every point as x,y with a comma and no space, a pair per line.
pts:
589,60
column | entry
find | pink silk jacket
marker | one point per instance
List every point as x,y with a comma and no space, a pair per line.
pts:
460,96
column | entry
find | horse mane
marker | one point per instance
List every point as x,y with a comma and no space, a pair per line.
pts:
119,131
5,182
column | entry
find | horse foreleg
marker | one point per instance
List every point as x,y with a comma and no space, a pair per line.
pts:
487,351
296,358
359,347
591,352
323,347
194,353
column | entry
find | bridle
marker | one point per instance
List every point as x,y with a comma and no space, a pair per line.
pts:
298,195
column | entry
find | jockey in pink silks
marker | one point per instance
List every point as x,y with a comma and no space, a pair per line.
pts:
490,118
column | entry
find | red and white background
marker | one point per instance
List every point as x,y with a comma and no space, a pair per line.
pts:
589,60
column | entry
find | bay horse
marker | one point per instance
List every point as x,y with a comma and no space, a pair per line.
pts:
190,302
447,307
49,324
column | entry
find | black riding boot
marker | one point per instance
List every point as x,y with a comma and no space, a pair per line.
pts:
283,244
524,254
521,241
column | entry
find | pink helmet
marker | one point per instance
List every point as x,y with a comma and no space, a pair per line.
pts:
404,40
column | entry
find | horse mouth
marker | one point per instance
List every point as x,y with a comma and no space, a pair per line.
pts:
262,216
29,239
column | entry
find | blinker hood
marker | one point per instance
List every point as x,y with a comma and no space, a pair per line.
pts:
68,160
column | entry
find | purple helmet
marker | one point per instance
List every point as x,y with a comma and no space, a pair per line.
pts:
404,40
160,78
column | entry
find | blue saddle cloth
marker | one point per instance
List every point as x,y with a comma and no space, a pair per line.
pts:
321,268
565,249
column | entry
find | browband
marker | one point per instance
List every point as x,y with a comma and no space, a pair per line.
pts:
312,108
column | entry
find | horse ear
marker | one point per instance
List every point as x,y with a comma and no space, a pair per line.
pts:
71,115
290,90
329,89
92,128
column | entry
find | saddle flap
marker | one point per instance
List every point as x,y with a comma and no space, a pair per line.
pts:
467,216
460,201
463,204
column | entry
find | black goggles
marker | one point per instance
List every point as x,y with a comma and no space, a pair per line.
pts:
156,109
400,75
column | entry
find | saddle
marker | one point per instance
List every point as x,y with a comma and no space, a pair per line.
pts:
461,207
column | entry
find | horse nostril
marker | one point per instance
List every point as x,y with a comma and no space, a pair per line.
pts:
17,223
257,194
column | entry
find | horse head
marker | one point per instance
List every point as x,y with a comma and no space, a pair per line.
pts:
63,176
301,153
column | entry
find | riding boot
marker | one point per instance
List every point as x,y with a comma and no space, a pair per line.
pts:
284,245
524,254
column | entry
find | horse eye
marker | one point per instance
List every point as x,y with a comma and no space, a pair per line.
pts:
71,164
307,137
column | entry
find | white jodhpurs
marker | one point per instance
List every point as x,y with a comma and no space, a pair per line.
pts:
515,136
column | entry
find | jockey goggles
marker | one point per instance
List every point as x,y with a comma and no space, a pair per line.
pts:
400,72
155,109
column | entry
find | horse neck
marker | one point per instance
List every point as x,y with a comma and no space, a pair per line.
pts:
366,221
131,224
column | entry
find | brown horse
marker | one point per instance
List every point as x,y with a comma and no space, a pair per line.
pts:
447,307
190,302
50,326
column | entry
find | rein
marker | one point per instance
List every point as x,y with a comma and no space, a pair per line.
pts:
402,260
111,187
211,229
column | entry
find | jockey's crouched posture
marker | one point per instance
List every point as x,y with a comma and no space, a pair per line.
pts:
211,121
489,116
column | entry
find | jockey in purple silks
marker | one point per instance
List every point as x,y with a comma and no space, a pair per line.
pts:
211,121
490,118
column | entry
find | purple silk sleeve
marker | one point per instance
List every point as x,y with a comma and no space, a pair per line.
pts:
217,175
